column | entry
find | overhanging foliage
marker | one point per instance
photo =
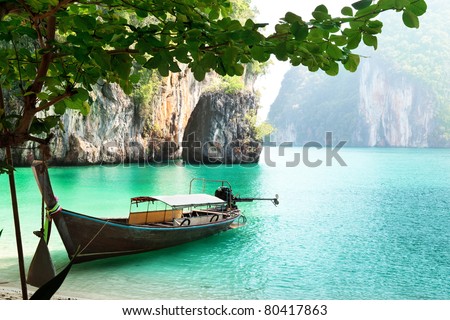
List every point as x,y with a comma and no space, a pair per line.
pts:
53,52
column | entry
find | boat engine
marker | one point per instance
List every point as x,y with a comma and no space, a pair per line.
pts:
226,194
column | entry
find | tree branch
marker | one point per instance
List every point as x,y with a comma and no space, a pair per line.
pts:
54,10
54,101
36,87
39,140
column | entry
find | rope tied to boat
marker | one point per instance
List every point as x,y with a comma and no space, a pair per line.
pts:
79,252
56,208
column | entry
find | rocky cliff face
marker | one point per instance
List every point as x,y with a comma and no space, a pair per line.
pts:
117,130
394,110
376,106
219,131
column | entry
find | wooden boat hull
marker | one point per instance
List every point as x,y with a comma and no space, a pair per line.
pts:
97,238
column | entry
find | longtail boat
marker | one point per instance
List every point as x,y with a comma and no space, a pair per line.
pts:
154,222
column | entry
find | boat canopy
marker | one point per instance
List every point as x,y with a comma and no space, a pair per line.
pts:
183,200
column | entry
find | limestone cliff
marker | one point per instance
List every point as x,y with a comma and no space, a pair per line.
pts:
219,131
120,129
394,110
399,96
376,106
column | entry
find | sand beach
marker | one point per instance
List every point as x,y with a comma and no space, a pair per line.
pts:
10,293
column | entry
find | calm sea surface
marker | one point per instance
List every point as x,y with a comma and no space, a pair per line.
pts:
378,228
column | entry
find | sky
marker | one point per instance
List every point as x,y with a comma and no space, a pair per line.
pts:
269,12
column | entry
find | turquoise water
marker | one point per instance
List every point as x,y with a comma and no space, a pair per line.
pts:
378,228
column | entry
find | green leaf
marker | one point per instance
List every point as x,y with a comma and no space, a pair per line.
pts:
174,67
338,40
281,51
317,34
361,4
81,54
299,30
43,96
249,24
375,25
154,42
85,108
73,104
122,64
141,13
234,25
354,40
321,8
209,61
214,14
199,72
259,54
126,86
400,4
60,108
252,37
418,7
182,54
312,66
82,94
334,52
332,69
26,31
410,19
153,62
282,28
347,11
85,23
352,62
43,125
101,58
386,4
134,78
230,55
140,59
291,17
163,69
30,71
239,69
370,40
321,13
296,61
368,12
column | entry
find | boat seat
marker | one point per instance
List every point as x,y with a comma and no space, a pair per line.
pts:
145,217
206,212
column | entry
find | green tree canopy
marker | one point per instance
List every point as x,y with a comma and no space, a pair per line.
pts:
52,52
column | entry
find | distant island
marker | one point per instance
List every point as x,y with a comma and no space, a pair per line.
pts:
398,97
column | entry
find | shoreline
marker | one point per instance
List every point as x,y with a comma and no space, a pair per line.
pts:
12,293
